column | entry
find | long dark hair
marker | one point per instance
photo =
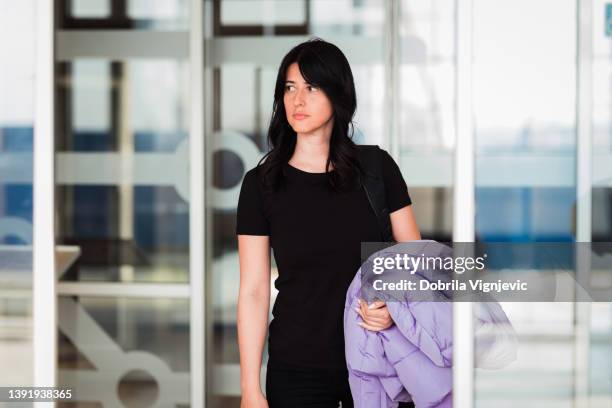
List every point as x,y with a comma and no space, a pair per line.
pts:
323,65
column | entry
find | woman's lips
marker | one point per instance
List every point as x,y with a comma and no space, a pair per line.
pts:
299,116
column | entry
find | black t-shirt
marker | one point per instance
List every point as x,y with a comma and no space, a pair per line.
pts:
316,237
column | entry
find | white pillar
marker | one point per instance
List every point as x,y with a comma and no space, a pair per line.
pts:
582,310
464,204
44,276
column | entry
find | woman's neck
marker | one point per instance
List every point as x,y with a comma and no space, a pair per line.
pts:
310,153
312,149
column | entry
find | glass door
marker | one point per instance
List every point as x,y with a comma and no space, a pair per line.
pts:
122,198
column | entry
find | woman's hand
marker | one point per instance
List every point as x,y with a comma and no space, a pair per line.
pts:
375,317
253,400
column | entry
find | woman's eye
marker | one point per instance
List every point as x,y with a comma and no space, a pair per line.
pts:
312,88
288,87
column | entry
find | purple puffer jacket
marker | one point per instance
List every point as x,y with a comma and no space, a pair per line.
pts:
412,359
404,362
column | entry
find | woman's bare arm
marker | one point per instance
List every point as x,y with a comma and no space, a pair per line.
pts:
253,308
404,226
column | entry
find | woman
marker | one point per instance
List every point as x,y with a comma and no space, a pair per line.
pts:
304,201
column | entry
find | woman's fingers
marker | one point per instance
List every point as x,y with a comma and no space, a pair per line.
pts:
376,304
376,322
372,320
375,317
379,312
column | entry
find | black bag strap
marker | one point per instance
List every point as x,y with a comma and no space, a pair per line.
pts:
372,181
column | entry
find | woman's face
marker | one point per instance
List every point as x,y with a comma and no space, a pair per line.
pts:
306,106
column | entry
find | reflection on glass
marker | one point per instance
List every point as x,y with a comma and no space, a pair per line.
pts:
122,169
90,8
433,210
299,17
524,97
426,118
600,353
138,14
344,17
17,62
258,12
602,128
427,70
524,112
163,10
525,120
119,350
16,346
600,366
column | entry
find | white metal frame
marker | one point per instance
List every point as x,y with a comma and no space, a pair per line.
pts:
421,169
44,275
464,204
392,73
197,219
207,111
73,44
124,289
584,170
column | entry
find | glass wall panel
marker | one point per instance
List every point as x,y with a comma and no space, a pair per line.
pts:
364,18
122,196
525,126
122,169
115,351
600,361
17,80
426,134
113,14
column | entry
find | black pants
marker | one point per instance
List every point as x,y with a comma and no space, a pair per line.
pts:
305,387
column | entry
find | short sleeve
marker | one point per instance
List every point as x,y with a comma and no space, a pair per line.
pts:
397,190
250,218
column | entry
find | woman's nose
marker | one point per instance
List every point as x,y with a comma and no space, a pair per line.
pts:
299,98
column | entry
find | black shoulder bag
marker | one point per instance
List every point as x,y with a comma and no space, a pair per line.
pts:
372,181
